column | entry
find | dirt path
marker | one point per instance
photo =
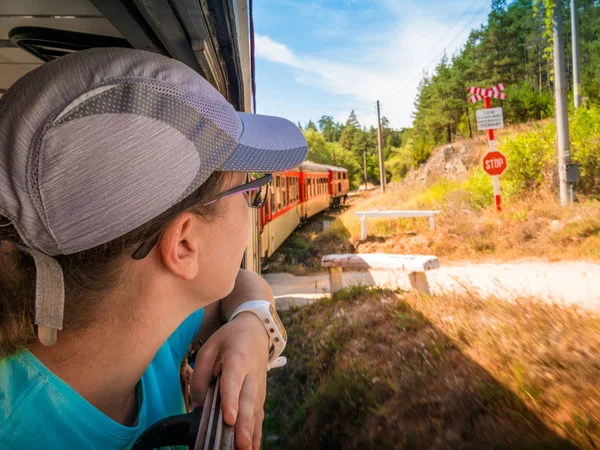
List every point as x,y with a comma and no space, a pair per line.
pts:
565,282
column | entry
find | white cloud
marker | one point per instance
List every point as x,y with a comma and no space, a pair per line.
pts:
382,62
274,51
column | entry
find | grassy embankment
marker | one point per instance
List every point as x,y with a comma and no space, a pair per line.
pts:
532,224
385,370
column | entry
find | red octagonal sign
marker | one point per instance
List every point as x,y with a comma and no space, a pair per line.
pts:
494,163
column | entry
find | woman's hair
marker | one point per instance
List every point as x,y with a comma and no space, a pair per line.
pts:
88,275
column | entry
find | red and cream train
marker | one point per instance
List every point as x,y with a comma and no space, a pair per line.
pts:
295,196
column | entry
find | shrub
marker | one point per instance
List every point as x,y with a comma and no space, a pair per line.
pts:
421,150
585,147
531,161
400,162
479,189
436,195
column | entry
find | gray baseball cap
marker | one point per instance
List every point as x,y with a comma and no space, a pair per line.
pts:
97,143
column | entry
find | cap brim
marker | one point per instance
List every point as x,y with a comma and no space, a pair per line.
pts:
267,144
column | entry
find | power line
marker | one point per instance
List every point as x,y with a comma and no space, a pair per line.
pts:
440,54
455,23
475,16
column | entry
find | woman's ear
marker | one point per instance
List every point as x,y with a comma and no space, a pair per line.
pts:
179,246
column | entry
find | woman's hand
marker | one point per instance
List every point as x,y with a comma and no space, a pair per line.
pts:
238,351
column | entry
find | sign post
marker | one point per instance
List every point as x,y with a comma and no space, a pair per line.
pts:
494,162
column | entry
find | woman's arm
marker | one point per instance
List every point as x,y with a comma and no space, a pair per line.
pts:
248,286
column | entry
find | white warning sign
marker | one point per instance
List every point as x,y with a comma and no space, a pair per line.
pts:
490,119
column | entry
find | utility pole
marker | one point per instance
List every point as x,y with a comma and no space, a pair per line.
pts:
379,143
576,58
560,100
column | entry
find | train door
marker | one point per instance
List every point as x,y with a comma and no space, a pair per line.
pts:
303,194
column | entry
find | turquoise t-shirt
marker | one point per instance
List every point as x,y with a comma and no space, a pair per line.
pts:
39,410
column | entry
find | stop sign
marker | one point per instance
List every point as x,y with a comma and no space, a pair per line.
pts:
494,163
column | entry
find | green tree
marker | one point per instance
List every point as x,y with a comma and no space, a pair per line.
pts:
329,128
311,126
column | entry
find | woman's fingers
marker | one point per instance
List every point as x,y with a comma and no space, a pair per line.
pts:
260,415
244,428
231,386
203,372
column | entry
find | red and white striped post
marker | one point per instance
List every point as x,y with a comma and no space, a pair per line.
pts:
494,162
495,178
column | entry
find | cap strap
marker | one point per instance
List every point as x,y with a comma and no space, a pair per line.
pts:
49,296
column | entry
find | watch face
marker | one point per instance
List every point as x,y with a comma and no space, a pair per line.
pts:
278,323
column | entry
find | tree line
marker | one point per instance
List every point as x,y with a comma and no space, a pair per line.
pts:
512,47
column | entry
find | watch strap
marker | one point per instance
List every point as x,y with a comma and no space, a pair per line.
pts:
250,306
259,307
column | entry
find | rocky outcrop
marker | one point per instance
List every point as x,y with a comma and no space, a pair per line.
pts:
450,161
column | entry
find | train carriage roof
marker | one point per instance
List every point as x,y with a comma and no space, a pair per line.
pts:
309,166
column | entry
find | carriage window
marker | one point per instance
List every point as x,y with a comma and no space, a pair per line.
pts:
295,189
272,202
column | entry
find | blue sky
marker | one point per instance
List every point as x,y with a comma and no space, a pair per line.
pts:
316,57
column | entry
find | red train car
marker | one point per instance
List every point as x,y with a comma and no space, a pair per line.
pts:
297,195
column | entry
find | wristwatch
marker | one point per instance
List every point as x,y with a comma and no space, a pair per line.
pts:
273,325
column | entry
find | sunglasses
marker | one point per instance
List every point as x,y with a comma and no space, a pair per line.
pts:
256,191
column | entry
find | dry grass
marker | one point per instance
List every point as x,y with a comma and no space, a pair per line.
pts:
537,227
378,369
